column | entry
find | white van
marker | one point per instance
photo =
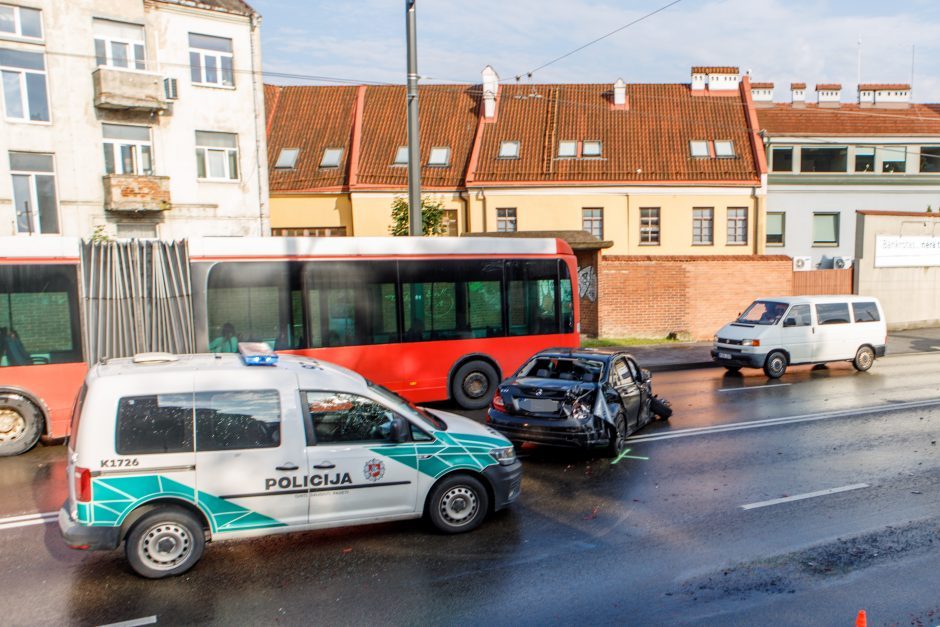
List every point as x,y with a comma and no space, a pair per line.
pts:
169,451
774,333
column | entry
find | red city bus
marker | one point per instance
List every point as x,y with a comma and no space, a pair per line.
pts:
430,318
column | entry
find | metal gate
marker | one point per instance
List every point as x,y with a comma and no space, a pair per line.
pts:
137,297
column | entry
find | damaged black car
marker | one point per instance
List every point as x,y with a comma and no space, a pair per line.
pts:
577,398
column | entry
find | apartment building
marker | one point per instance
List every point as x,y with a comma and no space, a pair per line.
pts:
133,118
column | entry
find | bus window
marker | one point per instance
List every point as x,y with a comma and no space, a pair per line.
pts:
533,296
39,320
567,299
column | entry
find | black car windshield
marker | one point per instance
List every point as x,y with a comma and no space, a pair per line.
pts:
564,368
763,312
407,407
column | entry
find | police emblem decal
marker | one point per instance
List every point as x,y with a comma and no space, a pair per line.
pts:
374,470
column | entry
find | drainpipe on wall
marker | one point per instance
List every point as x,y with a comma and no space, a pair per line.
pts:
260,143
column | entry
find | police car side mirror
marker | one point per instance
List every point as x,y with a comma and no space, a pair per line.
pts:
399,430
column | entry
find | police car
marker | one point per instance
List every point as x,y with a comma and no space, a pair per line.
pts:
168,452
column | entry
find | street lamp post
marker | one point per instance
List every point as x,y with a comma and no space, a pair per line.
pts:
414,147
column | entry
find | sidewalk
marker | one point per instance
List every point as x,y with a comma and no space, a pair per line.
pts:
690,355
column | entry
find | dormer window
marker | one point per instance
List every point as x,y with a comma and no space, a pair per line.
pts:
699,149
509,150
567,149
401,156
287,159
591,149
331,157
724,149
440,157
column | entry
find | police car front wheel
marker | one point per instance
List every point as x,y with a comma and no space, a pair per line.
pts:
458,504
165,542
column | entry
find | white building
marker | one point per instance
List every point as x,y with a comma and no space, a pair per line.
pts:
144,117
829,159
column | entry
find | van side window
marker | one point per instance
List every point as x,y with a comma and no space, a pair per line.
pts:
341,417
866,312
245,419
160,423
799,316
833,313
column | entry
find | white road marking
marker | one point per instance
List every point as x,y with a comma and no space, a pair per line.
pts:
756,387
772,422
28,520
134,622
808,495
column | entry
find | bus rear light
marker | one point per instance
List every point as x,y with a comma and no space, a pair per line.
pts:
498,403
82,485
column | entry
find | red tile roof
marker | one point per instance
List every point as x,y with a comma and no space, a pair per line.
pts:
828,87
797,85
883,86
762,85
850,119
714,69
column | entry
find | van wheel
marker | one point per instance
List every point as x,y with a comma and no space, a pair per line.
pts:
474,384
20,425
864,359
458,504
165,542
775,365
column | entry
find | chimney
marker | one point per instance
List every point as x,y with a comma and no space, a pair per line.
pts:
620,94
490,91
885,95
798,94
828,95
762,94
720,80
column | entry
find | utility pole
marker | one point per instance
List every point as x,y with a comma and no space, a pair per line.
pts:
414,146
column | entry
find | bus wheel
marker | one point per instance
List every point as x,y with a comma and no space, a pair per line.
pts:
474,384
165,542
20,425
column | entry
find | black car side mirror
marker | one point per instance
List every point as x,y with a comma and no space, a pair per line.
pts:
789,322
398,430
645,375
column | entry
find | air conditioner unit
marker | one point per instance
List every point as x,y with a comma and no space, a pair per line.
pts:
802,263
171,88
842,263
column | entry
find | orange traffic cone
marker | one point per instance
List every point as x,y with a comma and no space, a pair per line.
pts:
861,620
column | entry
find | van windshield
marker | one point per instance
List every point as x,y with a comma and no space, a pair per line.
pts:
763,312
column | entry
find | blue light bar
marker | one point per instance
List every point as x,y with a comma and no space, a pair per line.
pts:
257,354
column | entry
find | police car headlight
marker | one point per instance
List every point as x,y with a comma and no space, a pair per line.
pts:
505,456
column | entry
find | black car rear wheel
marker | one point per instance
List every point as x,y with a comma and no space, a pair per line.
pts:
661,408
618,436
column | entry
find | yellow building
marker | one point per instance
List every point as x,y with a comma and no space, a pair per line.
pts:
658,169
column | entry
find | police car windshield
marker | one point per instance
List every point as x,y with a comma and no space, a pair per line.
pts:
406,406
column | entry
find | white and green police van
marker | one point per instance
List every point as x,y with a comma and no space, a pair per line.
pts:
167,452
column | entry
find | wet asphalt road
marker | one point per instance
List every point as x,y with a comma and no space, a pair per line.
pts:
661,540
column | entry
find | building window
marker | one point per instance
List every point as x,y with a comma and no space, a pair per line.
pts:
216,156
20,22
591,149
567,149
703,225
211,60
34,196
737,225
509,150
724,149
864,159
119,45
506,220
776,228
331,158
311,231
815,159
930,159
24,85
698,149
893,159
592,221
450,222
401,156
825,229
440,157
287,159
127,149
649,226
781,159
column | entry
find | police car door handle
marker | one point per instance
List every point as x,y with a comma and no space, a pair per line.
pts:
287,466
324,466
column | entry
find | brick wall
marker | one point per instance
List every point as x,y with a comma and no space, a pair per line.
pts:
692,297
587,259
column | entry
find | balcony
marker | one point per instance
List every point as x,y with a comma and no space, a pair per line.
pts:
128,90
127,192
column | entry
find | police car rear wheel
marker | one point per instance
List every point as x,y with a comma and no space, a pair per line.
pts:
20,425
458,504
166,542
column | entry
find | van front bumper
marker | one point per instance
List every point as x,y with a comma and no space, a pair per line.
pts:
85,537
506,482
734,357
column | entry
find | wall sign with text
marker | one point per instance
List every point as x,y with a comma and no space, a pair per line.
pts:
902,251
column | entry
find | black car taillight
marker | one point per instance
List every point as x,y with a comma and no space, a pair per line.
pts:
498,403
